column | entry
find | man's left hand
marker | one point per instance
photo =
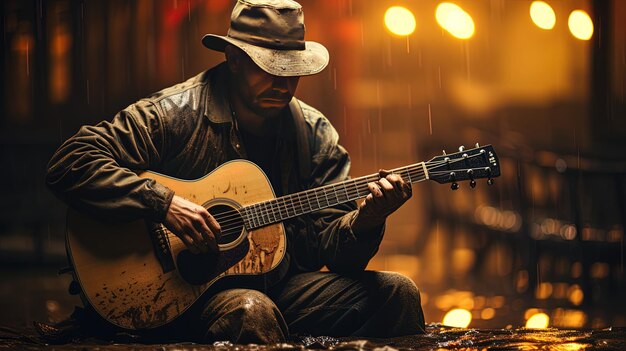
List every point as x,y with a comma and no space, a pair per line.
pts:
386,195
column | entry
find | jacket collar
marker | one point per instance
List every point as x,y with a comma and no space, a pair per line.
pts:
217,108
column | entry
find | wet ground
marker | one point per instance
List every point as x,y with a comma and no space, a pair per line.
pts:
437,338
28,295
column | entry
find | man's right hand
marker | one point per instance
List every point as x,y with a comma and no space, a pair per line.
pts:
193,224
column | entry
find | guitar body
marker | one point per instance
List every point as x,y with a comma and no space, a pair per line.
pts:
133,287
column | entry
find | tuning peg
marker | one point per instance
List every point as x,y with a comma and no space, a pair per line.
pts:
490,181
472,183
454,186
477,145
461,148
444,152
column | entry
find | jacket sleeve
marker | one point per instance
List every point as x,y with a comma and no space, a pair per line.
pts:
340,249
93,170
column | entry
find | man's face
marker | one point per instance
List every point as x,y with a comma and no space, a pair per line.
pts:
261,92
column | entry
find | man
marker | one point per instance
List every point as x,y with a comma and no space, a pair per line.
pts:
241,109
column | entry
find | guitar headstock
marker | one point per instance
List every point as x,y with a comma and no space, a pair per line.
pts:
477,163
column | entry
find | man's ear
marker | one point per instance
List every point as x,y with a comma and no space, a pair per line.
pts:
232,57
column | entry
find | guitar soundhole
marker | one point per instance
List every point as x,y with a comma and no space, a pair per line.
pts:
230,221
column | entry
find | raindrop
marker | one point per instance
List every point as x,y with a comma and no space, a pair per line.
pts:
362,36
410,93
439,76
560,165
430,120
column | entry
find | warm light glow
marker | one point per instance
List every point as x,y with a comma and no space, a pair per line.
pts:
457,318
538,321
400,21
542,14
575,294
543,291
455,20
580,24
487,313
572,346
569,318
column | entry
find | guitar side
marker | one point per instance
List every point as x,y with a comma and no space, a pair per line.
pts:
120,275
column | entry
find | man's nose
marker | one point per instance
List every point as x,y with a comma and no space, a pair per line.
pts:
281,84
285,84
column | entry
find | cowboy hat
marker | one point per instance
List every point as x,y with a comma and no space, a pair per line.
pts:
271,32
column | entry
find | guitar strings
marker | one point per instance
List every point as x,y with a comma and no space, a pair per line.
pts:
232,220
233,225
236,229
307,194
297,204
228,217
233,230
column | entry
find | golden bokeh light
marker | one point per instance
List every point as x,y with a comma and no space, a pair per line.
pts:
458,318
566,318
400,20
455,20
580,25
538,321
543,15
488,313
543,291
575,294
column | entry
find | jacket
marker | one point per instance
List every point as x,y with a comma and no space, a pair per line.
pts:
186,131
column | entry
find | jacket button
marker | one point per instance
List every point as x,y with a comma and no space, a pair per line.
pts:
237,146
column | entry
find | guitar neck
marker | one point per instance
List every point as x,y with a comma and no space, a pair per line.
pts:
297,204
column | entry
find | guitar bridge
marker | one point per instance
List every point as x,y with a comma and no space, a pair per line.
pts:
161,246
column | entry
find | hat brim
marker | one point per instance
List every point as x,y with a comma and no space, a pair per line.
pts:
284,63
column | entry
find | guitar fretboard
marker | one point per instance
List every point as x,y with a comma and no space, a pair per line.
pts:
293,205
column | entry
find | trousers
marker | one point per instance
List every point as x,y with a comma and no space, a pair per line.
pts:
369,304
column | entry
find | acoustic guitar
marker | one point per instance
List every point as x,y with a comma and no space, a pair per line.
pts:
138,275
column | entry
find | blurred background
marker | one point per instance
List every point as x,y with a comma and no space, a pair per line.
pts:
544,82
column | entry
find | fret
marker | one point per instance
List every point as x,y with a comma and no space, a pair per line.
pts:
293,204
317,199
264,216
301,203
255,218
356,188
260,214
326,196
336,197
283,206
307,196
246,217
271,214
287,207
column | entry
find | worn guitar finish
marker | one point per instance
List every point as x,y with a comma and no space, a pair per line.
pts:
138,275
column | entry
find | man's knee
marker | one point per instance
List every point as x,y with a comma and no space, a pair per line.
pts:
243,316
252,304
403,297
398,286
